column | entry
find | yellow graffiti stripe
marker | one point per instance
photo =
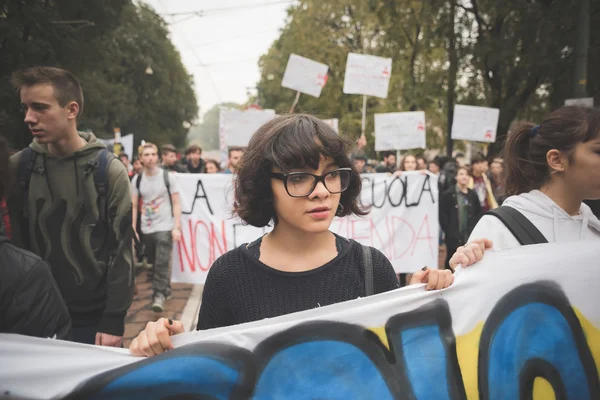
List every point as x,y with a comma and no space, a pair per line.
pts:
467,350
592,335
382,335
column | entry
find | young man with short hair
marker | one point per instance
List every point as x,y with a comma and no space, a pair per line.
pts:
72,206
194,161
389,163
235,157
169,159
160,215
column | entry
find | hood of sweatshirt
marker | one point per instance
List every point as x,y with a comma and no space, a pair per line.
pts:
92,145
537,203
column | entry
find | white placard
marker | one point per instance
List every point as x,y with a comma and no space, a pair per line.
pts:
400,131
236,127
582,102
334,123
402,222
126,141
368,75
505,322
477,124
305,75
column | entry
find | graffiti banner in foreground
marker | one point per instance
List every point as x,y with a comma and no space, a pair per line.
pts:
402,223
522,324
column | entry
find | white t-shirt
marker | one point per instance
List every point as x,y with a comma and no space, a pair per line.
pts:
156,212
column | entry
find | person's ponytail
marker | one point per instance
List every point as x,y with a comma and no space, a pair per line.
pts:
527,145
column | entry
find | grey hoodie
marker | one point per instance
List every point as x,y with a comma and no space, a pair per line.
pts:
552,221
91,266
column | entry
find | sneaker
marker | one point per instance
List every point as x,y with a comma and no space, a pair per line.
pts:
159,303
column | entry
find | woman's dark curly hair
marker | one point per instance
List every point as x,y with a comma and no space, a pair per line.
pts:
289,142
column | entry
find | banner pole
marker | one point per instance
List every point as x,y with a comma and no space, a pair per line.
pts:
364,115
295,102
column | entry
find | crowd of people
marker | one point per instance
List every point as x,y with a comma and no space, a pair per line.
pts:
73,212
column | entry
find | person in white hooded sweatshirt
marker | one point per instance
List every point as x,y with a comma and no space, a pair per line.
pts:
551,169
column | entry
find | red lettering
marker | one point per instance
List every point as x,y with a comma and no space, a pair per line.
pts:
361,221
208,264
399,225
191,261
428,237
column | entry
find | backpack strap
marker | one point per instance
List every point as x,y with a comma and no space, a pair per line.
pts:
101,165
168,185
25,168
521,228
368,263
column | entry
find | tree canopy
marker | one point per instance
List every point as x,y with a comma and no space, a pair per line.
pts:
108,45
513,55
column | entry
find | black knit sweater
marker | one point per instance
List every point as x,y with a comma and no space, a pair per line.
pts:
239,288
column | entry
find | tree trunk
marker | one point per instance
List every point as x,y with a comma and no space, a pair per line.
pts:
452,72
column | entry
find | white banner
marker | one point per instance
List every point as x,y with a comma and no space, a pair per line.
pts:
518,325
126,141
305,75
236,127
400,131
477,124
403,222
368,75
334,123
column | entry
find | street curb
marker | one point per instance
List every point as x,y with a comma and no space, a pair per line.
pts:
189,316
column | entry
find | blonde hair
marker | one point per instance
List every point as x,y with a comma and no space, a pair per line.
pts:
147,145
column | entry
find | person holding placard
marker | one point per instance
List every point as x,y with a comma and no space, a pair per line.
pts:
297,176
480,183
551,168
389,163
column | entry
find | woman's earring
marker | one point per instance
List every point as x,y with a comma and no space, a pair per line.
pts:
340,210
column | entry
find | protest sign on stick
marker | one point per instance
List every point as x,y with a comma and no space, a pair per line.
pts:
305,75
369,76
236,127
477,124
400,131
334,123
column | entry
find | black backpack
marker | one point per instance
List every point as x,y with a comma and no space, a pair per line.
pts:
521,228
100,164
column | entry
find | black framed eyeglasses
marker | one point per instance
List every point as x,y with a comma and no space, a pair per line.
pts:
302,184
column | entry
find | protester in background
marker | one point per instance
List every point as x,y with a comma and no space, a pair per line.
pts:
160,215
434,166
480,183
360,162
297,176
125,160
235,157
447,177
212,166
389,163
421,163
194,161
408,163
5,181
169,159
59,212
137,167
30,301
460,210
550,169
497,178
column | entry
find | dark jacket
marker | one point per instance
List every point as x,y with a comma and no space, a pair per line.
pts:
200,169
177,167
449,215
30,302
90,259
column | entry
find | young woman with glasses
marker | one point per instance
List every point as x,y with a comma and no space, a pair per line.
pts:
295,175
